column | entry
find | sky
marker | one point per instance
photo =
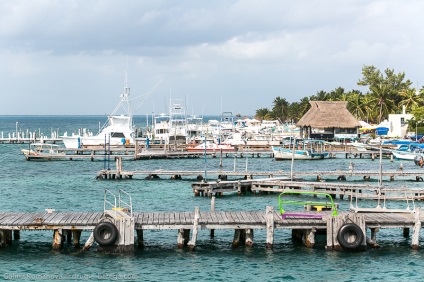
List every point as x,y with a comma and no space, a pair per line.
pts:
74,57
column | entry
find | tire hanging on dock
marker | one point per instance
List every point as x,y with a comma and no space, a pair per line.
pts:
105,233
348,230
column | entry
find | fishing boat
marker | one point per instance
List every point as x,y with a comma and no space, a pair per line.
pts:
42,151
409,151
118,129
301,149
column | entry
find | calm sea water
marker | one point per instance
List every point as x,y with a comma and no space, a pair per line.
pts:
71,186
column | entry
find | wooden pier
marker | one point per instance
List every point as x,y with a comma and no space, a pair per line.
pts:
67,226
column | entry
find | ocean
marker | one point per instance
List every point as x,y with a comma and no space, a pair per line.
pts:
29,186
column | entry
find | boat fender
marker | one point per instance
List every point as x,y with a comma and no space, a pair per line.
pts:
347,230
105,233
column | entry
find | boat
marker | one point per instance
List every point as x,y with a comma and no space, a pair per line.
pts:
171,128
118,129
301,149
212,147
409,151
42,151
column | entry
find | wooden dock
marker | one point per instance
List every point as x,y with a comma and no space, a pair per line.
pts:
67,226
276,185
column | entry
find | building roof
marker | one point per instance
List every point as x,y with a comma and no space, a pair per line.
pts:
327,114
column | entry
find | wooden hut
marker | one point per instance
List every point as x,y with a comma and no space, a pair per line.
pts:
328,120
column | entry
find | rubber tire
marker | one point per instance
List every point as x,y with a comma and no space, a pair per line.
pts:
105,233
350,227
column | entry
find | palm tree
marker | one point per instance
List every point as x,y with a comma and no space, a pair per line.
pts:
261,113
411,98
280,108
356,105
380,100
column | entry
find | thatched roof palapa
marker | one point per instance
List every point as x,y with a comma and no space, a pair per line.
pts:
328,114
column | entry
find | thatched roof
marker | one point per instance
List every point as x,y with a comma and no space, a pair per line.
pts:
327,114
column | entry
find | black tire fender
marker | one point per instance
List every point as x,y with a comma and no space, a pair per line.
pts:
350,229
105,233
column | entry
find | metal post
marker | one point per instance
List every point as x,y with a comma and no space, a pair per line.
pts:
205,156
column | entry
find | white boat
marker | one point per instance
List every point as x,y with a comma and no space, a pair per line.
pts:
303,150
171,128
408,151
42,151
118,129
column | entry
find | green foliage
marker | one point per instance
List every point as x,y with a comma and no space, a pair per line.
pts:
387,93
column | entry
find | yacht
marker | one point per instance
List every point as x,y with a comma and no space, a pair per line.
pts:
117,131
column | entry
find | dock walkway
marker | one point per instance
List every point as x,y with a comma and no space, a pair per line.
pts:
68,224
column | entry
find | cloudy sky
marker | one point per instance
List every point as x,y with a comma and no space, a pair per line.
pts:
70,57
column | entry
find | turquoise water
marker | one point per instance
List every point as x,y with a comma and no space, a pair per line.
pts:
71,186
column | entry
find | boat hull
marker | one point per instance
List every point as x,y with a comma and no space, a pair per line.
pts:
285,154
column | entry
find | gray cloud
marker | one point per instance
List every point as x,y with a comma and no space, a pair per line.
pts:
246,52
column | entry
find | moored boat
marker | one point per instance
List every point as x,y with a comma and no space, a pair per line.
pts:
301,150
42,151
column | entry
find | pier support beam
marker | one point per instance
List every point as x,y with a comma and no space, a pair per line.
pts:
192,243
406,232
183,238
5,238
269,227
373,240
16,235
57,239
416,230
140,238
213,210
249,237
76,234
309,237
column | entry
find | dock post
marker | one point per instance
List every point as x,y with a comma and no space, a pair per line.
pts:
416,230
89,243
57,239
76,234
192,243
220,158
5,237
406,232
16,235
249,238
373,240
213,210
181,239
310,237
236,240
269,227
68,236
140,238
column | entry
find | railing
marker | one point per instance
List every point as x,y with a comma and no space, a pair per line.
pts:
122,205
381,193
106,202
284,214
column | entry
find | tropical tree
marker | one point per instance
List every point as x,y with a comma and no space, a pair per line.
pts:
356,105
411,99
262,113
281,108
380,99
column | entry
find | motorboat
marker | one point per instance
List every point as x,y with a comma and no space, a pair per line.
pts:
118,129
42,151
301,150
